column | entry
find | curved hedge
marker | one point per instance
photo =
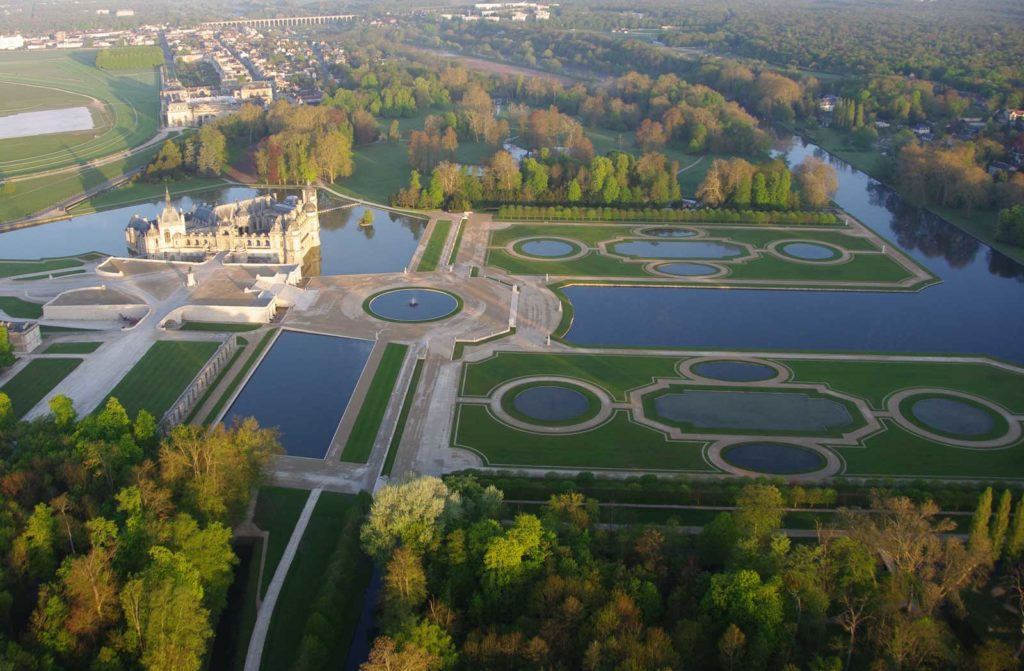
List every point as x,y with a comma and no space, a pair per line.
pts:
708,215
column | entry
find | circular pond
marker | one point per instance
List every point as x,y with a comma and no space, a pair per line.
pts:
734,371
686,269
810,251
773,458
953,416
413,305
667,232
551,403
546,248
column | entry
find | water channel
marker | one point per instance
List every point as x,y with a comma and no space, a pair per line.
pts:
975,310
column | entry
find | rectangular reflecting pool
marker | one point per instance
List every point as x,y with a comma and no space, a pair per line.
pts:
302,387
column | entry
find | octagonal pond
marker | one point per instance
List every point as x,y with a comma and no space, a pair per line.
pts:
724,411
773,458
668,232
953,416
676,249
413,305
686,269
546,248
551,403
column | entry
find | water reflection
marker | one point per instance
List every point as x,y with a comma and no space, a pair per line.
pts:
346,248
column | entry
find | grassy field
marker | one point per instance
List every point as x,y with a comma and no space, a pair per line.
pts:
277,511
435,246
73,348
33,195
156,381
620,443
19,309
396,439
124,107
869,266
359,445
330,533
12,268
382,168
35,381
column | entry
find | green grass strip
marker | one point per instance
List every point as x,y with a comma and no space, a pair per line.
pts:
11,268
435,246
458,242
35,381
73,348
329,562
253,358
20,309
242,342
360,442
156,381
396,439
219,327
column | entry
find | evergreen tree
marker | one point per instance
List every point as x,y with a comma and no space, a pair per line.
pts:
979,542
1015,543
1001,524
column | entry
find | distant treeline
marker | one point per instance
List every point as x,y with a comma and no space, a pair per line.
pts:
129,58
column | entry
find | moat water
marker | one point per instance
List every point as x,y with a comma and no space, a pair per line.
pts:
346,248
977,309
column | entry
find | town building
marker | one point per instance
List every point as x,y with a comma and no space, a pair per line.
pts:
24,337
257,230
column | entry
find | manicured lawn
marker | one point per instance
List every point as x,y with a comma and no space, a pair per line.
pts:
73,348
435,246
249,363
381,169
620,443
19,309
359,445
156,381
277,510
11,268
219,327
396,439
35,381
332,534
871,266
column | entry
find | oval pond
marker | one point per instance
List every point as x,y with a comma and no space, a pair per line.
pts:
546,248
551,403
734,371
773,458
953,416
809,251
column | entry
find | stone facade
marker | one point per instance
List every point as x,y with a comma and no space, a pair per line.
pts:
23,336
258,230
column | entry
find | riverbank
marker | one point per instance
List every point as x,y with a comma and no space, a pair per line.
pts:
980,224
